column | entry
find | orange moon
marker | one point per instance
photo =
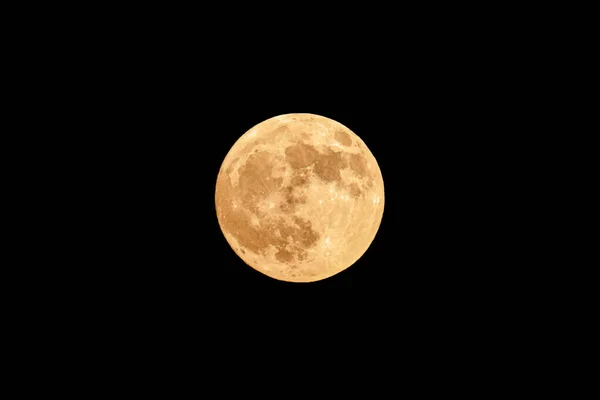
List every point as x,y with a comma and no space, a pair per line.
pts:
299,197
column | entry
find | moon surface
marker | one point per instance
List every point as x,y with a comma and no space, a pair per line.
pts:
299,197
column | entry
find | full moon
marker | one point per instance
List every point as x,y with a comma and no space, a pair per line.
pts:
299,197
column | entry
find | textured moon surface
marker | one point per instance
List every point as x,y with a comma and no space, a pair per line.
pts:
299,197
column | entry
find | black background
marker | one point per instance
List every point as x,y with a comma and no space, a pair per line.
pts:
154,114
440,274
138,109
436,251
165,119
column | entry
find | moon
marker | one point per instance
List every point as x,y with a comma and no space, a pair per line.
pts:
299,197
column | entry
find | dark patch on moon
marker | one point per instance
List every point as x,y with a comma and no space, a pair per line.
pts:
328,166
299,180
286,231
292,196
300,155
273,231
284,256
256,182
305,235
343,138
354,190
232,165
280,129
358,164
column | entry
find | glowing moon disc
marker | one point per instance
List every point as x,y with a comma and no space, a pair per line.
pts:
299,197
